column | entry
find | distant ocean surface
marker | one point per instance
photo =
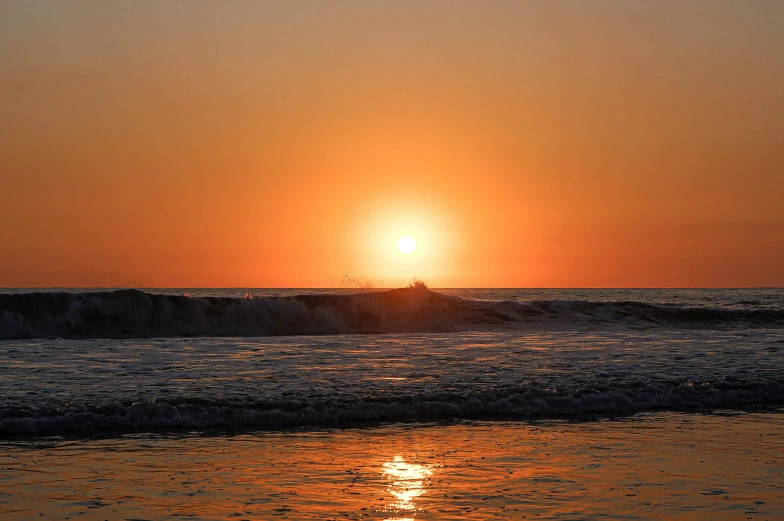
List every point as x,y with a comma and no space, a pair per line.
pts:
393,405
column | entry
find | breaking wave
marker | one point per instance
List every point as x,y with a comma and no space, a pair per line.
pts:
134,313
505,403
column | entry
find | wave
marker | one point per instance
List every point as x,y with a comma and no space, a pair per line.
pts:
507,403
137,314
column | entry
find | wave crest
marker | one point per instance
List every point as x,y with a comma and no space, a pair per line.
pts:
510,403
134,313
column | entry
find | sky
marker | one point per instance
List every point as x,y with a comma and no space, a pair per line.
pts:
291,144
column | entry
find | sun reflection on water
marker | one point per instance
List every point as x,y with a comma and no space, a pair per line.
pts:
407,481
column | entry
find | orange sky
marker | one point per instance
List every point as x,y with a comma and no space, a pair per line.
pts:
286,144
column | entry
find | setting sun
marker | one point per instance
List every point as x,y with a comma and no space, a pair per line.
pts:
406,245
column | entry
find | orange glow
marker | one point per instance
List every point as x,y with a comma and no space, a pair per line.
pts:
406,484
518,144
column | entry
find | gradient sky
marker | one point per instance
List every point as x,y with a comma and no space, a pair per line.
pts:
287,144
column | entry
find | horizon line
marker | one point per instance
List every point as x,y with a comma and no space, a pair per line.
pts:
390,287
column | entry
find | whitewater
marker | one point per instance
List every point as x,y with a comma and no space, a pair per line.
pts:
111,362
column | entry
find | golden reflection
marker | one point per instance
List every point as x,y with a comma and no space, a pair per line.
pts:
407,481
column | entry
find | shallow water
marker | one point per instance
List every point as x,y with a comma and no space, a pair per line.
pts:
55,385
650,466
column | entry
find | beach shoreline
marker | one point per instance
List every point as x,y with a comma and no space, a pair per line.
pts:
659,465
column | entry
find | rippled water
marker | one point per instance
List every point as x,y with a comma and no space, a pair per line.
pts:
652,466
623,404
57,384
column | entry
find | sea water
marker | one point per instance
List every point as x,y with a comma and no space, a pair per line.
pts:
404,404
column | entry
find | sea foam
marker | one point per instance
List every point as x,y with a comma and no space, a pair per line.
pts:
505,403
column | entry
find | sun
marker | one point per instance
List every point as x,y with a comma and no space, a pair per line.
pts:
406,245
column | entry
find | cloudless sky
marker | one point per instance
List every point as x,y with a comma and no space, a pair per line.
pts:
287,144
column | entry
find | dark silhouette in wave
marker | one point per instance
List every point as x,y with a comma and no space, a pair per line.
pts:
133,313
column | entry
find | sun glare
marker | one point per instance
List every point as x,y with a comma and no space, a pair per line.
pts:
406,245
400,242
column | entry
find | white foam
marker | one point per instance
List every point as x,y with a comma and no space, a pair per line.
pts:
55,385
506,404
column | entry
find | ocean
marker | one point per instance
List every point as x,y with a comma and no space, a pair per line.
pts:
392,404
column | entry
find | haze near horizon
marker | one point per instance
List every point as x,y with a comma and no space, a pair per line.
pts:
249,144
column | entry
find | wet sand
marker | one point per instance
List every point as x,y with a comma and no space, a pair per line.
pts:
649,466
